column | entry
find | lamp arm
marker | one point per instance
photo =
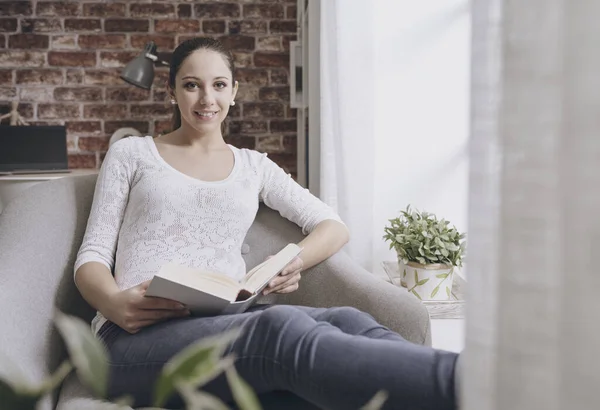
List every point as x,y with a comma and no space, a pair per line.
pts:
156,60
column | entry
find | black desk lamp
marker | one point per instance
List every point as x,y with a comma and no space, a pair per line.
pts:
140,71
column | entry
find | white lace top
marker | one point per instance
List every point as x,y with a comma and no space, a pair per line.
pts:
145,213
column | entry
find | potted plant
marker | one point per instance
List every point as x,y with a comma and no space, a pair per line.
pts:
428,250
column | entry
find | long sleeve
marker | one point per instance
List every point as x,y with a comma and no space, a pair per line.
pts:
108,207
295,203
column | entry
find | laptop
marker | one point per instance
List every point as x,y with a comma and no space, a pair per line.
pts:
32,149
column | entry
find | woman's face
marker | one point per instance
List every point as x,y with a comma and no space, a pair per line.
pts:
204,90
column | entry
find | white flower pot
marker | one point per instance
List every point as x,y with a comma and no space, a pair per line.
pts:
427,282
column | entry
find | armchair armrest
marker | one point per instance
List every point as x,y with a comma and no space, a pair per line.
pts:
339,281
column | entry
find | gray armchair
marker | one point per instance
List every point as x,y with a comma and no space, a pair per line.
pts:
40,234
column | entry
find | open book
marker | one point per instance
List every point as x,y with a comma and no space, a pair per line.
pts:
207,293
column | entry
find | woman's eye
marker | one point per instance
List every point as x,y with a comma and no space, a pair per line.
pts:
190,85
220,84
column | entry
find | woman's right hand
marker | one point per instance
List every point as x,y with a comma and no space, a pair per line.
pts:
131,310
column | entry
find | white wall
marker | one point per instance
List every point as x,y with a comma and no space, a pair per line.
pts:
422,56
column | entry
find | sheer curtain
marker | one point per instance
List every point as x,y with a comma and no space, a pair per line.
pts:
347,119
532,334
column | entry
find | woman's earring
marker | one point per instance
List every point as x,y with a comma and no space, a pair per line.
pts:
173,102
232,103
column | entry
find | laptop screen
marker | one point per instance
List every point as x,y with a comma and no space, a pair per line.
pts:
33,147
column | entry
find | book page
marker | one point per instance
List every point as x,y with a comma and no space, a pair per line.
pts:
258,278
206,281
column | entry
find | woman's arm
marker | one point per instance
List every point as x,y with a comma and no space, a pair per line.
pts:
325,240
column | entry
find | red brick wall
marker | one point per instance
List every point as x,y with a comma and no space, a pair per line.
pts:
62,59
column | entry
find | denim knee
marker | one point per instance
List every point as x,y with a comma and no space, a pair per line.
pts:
345,314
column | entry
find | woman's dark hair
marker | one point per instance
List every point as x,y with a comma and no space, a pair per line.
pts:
183,51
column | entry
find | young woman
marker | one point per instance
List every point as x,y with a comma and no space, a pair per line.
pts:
188,197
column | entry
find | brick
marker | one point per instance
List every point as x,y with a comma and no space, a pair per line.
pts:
283,125
162,42
263,109
126,25
104,10
216,10
270,143
35,94
109,59
242,59
160,95
28,41
241,141
184,10
126,94
58,9
283,26
111,126
152,10
8,93
285,40
252,76
290,144
41,76
274,94
82,161
103,111
102,77
291,12
83,25
3,41
93,143
176,26
84,127
58,111
279,77
162,127
248,127
74,76
25,109
264,11
238,42
16,8
150,110
102,41
6,77
290,112
41,26
285,161
271,59
247,27
247,93
78,94
271,43
72,58
213,26
8,25
22,58
66,42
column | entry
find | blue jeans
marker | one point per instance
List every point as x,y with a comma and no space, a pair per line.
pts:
335,358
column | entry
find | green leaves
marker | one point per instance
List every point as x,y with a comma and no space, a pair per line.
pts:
242,393
196,365
421,237
87,352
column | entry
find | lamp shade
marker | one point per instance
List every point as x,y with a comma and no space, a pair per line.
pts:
140,71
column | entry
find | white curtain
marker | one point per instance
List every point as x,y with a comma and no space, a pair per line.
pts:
532,315
347,119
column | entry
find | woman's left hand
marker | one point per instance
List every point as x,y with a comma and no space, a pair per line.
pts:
287,280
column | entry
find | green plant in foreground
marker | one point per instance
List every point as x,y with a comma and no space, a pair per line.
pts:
190,369
185,372
420,237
